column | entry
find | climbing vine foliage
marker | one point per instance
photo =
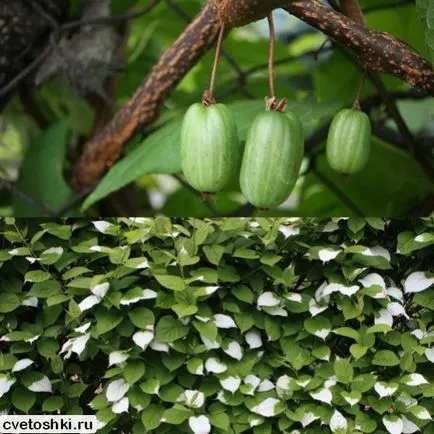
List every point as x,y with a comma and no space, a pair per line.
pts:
224,326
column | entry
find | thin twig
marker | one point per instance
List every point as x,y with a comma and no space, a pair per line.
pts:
320,49
25,72
74,202
30,200
48,18
286,59
337,192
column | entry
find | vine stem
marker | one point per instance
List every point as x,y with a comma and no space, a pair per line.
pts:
271,59
208,98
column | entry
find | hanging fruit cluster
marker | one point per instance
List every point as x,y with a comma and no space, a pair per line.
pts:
268,169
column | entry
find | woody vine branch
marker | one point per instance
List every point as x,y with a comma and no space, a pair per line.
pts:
376,51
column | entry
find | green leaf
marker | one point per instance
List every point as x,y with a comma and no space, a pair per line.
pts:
8,302
358,350
170,392
106,321
52,404
425,298
220,420
174,283
356,224
177,414
183,310
408,242
170,329
105,415
141,317
272,328
385,358
151,386
132,295
134,371
323,352
75,390
45,289
41,174
363,382
48,347
348,332
243,293
195,366
344,370
137,263
208,329
244,321
173,361
214,253
119,255
57,299
319,326
138,398
37,276
51,256
151,416
159,153
23,399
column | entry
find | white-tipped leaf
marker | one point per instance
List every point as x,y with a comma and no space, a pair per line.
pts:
417,282
22,364
143,338
266,408
121,406
116,390
224,321
338,423
268,299
393,424
231,384
214,365
199,424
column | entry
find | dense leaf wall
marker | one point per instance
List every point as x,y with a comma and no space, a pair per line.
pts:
227,325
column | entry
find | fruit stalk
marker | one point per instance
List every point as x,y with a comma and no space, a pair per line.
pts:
271,56
208,97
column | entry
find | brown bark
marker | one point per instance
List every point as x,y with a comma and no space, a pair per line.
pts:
237,13
377,52
143,108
